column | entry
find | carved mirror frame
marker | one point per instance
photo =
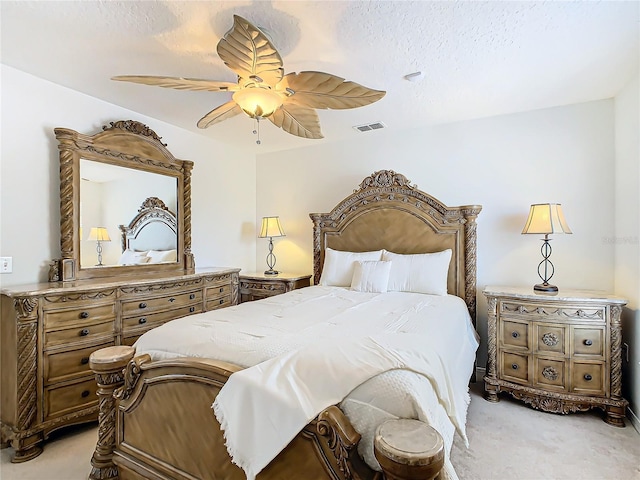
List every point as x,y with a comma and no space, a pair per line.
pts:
128,144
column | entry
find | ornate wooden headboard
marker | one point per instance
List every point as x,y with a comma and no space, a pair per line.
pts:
386,211
154,227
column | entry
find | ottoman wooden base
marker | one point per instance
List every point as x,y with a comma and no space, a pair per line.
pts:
408,450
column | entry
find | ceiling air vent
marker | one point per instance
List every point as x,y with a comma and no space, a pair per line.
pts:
369,126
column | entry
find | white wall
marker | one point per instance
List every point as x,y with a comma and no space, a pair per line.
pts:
223,193
506,163
626,237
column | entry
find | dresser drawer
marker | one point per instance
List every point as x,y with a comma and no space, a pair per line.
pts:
81,314
588,342
144,320
221,302
514,334
221,290
514,367
144,304
81,333
69,365
61,400
588,378
550,339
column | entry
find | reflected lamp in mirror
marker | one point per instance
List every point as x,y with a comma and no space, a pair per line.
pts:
270,229
99,235
546,219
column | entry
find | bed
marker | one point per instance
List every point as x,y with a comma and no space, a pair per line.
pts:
156,415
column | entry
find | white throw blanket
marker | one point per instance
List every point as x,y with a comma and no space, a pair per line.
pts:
262,408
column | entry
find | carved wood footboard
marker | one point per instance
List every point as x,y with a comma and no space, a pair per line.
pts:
156,422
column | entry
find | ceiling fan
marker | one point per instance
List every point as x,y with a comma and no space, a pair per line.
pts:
263,90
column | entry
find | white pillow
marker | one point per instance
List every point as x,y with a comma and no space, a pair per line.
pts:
371,276
132,257
419,273
162,256
337,270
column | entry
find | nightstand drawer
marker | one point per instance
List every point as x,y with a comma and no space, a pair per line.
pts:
588,341
515,334
515,367
550,339
588,378
550,373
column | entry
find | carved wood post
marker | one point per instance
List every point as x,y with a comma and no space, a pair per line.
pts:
615,414
490,384
108,365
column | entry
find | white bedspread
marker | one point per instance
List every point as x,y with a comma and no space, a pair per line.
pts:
425,344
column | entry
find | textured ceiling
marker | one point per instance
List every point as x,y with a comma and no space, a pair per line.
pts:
478,58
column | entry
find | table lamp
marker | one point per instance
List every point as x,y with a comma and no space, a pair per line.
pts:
99,235
271,228
546,218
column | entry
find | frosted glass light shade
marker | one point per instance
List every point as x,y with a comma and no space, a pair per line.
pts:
546,218
258,101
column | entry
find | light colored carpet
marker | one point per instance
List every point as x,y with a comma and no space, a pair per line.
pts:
507,441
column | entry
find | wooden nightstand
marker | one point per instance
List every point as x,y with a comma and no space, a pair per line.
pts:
254,286
558,353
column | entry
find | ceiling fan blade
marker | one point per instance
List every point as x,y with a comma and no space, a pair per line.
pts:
218,114
297,120
179,83
323,90
248,52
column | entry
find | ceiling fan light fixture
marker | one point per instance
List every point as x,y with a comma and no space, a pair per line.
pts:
258,102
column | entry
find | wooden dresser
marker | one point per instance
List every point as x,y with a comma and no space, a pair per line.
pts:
558,353
49,330
254,286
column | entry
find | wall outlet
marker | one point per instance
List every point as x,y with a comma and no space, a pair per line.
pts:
6,264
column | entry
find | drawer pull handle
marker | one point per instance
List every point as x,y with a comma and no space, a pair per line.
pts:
588,342
85,393
192,309
192,296
221,289
221,301
172,299
84,332
142,321
514,366
84,360
143,305
587,377
515,334
84,315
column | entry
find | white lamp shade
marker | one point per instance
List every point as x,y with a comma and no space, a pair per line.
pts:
271,227
99,234
546,218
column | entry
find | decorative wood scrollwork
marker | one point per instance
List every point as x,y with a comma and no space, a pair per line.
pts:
131,374
340,441
550,373
550,339
133,127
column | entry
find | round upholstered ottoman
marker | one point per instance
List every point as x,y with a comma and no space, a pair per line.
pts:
408,450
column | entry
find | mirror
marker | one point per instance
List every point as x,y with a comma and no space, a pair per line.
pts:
111,197
113,185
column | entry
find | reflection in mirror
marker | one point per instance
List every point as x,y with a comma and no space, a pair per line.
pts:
111,196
